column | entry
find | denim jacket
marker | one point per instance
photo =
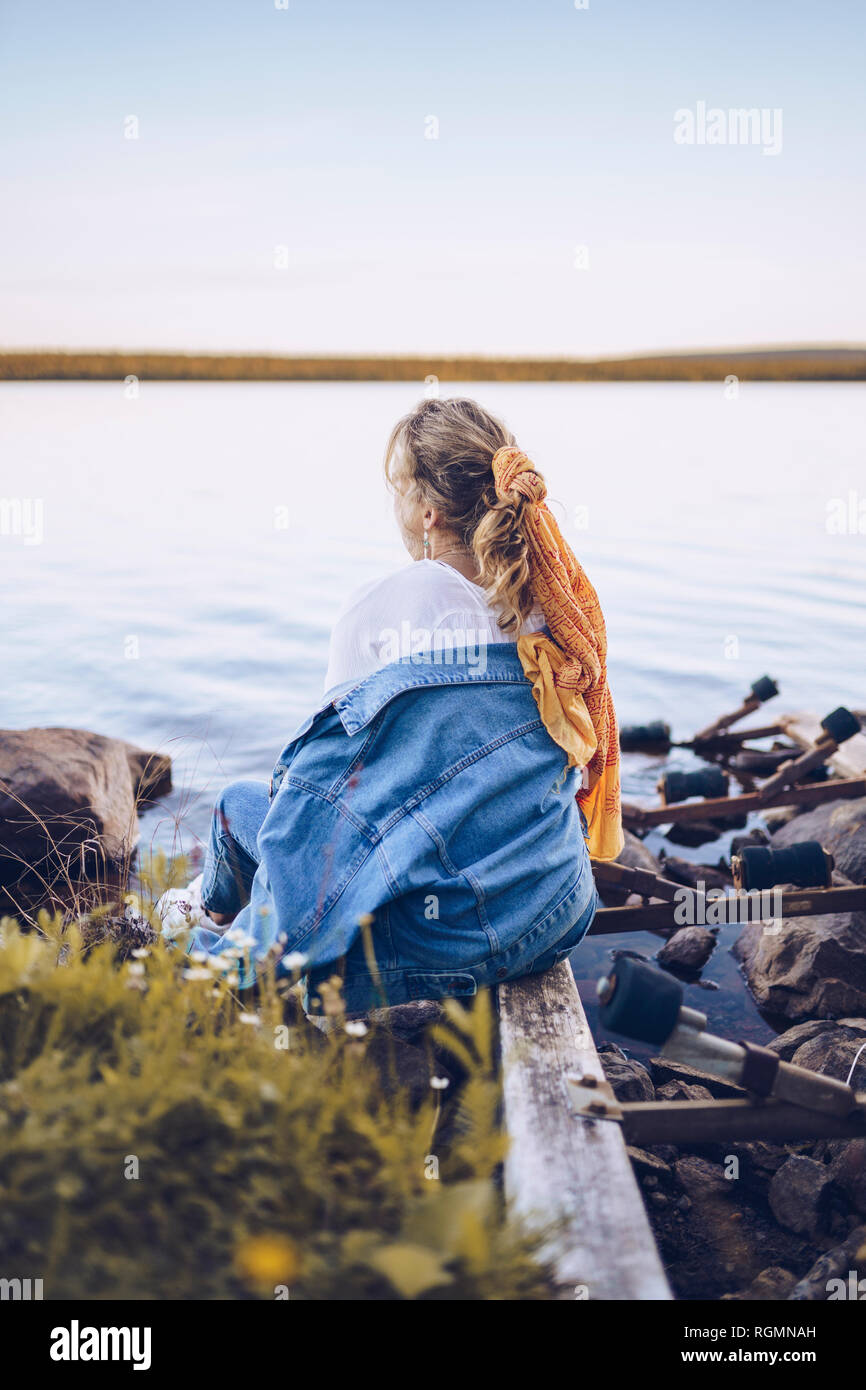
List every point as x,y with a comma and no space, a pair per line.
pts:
431,798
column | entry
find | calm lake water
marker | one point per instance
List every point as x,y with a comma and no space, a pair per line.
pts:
198,541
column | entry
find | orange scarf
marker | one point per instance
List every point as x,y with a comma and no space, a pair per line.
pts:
569,674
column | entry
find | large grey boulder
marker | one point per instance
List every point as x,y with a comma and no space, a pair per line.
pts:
812,967
800,1194
68,801
840,826
687,950
807,967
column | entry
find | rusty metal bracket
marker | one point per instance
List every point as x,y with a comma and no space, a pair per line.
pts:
592,1098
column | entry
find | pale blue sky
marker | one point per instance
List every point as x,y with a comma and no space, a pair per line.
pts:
305,128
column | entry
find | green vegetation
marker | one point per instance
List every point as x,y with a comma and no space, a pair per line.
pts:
782,364
162,1139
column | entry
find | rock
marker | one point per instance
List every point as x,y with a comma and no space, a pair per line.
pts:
718,1236
68,802
823,1279
125,934
688,949
648,1163
150,772
786,1043
408,1069
691,875
760,1156
800,1195
753,837
681,1090
635,855
702,1180
830,1053
840,826
774,1283
848,1171
662,1070
408,1022
776,816
807,966
771,1284
693,833
629,1079
823,1045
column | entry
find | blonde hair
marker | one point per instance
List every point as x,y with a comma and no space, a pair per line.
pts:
444,450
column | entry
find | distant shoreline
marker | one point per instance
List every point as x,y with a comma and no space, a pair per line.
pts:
774,364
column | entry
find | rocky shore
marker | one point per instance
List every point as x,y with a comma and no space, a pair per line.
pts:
69,802
752,1220
762,1220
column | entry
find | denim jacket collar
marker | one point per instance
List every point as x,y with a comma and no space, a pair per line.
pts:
497,664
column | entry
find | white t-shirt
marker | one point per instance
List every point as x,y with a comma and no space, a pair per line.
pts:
424,607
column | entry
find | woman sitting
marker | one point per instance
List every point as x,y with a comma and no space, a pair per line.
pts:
421,835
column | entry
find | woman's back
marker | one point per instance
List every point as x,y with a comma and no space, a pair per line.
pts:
431,799
425,606
421,833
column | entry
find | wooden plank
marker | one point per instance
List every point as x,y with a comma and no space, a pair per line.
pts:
735,907
719,1121
718,807
804,728
565,1172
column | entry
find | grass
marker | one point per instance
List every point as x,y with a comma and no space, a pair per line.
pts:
161,1138
779,364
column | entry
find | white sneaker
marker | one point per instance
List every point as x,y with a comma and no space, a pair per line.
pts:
179,909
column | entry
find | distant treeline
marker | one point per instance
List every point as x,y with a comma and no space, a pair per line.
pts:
782,364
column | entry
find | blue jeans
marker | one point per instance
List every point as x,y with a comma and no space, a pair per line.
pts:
232,853
232,860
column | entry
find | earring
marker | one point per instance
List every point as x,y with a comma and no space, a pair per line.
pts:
426,545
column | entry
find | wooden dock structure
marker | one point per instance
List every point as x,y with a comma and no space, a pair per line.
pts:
568,1172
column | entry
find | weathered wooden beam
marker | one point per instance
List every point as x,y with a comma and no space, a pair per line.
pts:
635,880
849,760
566,1173
735,907
704,1121
718,807
731,738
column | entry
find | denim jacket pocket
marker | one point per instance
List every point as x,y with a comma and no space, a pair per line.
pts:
440,984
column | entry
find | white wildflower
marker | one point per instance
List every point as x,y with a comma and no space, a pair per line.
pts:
295,960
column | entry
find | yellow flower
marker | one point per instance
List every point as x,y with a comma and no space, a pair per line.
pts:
267,1260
